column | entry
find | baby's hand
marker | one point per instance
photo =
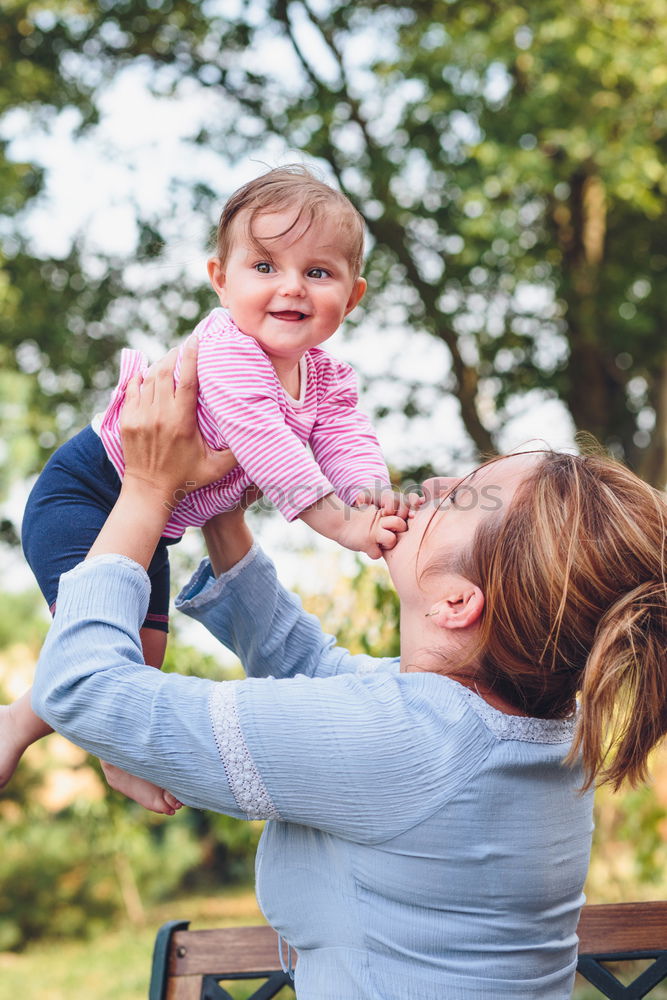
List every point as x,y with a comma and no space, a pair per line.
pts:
386,531
393,511
368,530
390,501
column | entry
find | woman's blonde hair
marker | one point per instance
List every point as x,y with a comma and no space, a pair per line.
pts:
576,605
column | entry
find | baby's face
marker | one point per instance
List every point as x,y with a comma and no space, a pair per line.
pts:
296,294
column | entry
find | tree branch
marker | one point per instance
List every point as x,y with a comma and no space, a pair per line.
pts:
387,231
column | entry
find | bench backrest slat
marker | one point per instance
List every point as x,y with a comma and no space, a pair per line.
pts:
622,927
229,950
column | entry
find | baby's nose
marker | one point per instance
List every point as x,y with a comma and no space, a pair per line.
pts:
292,283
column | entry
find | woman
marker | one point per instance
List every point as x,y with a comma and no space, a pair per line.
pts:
429,835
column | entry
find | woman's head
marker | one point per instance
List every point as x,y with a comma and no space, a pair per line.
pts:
572,572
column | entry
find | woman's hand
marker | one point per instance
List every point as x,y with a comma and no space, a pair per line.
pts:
162,445
165,456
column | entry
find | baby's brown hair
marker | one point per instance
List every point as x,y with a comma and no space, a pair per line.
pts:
292,186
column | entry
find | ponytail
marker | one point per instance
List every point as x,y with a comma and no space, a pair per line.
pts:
575,589
623,708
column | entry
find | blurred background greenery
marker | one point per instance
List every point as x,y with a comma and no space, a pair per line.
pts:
510,161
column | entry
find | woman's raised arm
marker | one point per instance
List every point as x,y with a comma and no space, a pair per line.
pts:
91,682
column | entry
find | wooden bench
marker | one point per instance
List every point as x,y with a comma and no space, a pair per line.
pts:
189,965
620,932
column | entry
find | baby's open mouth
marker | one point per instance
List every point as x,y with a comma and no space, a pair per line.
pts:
290,315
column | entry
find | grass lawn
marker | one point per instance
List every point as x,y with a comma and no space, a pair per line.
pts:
115,966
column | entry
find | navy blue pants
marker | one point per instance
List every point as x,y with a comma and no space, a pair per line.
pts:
66,510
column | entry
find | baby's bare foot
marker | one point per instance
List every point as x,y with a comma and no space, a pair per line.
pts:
171,800
12,743
148,795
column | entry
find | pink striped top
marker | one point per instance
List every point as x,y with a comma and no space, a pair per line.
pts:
243,406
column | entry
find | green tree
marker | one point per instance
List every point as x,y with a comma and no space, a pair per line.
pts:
509,160
55,334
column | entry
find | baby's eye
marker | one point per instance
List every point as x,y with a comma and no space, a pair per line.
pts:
318,272
263,267
451,497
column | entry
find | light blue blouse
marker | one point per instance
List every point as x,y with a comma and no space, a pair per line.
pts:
421,845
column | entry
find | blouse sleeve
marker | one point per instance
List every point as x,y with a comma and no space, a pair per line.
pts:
249,611
363,758
92,686
237,391
343,440
337,753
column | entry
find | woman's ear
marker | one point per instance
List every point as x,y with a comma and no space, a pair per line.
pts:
460,607
217,278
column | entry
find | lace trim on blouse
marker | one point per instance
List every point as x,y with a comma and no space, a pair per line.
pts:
518,727
245,781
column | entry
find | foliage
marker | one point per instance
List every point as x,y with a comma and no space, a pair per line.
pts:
70,870
49,344
23,609
115,964
510,163
362,611
630,841
73,872
68,875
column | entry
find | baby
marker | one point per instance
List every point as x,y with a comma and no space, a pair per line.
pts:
286,272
